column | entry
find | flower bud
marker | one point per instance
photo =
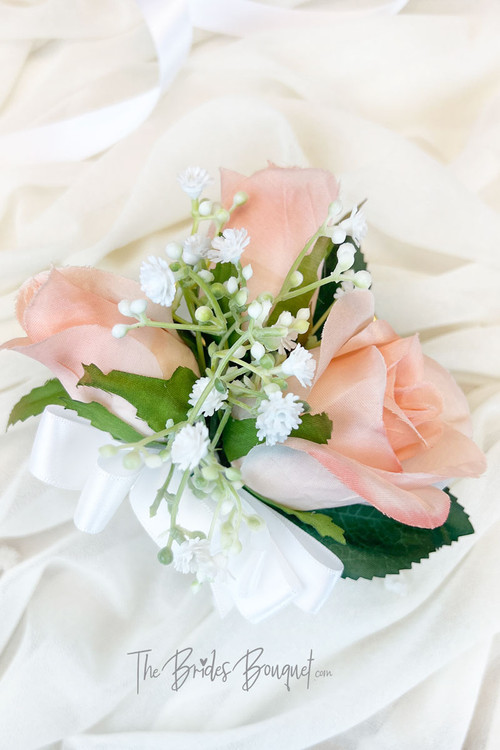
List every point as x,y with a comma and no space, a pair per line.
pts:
119,331
267,361
337,235
206,276
285,319
257,351
232,474
301,326
222,215
241,297
232,285
132,460
254,309
165,556
254,522
153,460
218,290
303,314
236,547
205,208
240,198
345,256
210,472
240,352
247,272
138,306
335,209
124,308
296,279
203,314
362,279
106,451
174,250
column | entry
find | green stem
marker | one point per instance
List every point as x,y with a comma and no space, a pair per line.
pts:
206,288
175,506
322,319
161,493
220,427
311,287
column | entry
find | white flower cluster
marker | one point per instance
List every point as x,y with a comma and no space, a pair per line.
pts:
195,556
277,416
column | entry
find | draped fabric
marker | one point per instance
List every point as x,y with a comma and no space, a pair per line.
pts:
405,109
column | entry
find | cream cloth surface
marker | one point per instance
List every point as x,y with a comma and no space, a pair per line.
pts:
405,110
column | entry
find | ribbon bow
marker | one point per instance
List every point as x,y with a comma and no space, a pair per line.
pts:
278,564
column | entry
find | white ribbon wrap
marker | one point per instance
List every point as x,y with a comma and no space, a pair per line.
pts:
170,23
279,563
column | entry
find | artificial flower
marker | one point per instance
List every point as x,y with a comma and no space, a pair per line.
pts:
285,207
400,424
68,315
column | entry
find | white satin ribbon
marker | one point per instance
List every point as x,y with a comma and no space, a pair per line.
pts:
279,564
65,454
170,23
85,135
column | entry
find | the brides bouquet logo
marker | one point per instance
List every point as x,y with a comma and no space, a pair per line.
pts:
271,431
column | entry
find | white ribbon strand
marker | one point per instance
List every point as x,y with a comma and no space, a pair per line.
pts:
170,23
278,564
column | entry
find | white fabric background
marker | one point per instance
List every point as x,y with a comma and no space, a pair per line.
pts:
406,111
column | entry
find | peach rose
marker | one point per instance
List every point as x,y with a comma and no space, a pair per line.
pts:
400,426
68,314
284,210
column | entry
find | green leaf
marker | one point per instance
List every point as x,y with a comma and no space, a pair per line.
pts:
315,427
376,545
101,418
156,400
316,519
35,401
52,392
326,293
240,435
309,270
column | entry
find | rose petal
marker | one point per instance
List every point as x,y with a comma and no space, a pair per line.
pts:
285,208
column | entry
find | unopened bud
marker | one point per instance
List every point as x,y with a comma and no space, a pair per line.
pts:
138,306
362,279
267,361
119,331
232,285
254,310
247,272
335,209
301,326
241,297
345,256
203,314
222,215
210,472
303,314
285,319
165,556
132,460
240,198
124,307
239,353
174,250
206,276
205,208
296,279
153,460
257,351
106,451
